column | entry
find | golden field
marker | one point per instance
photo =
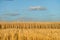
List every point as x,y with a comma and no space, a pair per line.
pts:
29,31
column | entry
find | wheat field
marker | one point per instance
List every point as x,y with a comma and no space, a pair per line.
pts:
7,33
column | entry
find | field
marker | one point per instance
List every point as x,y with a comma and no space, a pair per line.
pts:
29,33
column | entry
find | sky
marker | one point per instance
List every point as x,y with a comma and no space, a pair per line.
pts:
18,10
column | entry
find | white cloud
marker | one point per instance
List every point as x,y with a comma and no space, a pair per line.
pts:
37,8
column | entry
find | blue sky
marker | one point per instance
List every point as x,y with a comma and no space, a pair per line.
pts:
21,7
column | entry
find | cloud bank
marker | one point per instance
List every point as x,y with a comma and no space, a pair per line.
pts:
11,14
